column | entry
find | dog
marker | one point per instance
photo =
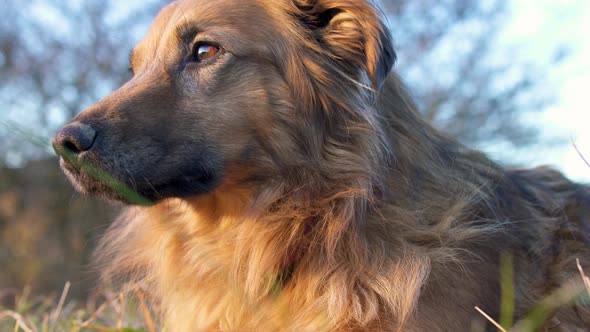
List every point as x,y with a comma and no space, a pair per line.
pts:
279,177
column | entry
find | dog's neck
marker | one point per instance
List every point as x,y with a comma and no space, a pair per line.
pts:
273,231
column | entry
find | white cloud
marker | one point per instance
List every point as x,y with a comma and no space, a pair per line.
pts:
539,27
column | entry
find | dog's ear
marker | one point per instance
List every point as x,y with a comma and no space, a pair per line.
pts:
352,32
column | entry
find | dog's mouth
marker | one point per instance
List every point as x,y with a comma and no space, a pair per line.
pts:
89,178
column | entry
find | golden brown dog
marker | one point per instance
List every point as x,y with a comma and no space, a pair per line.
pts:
291,185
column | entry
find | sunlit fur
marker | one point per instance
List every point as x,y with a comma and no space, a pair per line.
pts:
352,213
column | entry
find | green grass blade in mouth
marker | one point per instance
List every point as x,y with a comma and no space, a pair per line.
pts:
93,171
107,179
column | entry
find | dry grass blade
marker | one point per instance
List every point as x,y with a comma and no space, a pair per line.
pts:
145,311
101,328
584,277
121,311
94,316
45,327
60,306
23,298
579,153
490,319
20,321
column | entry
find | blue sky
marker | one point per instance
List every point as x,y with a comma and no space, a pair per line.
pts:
537,27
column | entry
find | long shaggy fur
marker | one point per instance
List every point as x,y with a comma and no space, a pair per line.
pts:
356,214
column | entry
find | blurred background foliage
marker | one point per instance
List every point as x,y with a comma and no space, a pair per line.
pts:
58,57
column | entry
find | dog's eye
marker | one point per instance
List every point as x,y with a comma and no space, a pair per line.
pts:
204,52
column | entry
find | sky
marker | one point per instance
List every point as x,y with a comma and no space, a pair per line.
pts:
538,27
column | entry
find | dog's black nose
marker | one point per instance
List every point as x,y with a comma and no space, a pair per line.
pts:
74,138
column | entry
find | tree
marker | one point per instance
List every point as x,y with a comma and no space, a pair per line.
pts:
57,58
462,79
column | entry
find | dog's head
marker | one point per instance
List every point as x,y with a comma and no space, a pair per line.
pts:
226,90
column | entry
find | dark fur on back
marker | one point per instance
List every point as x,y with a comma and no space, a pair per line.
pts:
335,206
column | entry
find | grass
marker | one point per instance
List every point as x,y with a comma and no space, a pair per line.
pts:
542,312
115,313
130,312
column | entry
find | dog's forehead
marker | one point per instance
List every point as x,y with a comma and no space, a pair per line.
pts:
245,18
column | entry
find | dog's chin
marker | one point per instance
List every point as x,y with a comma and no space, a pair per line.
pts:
144,192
